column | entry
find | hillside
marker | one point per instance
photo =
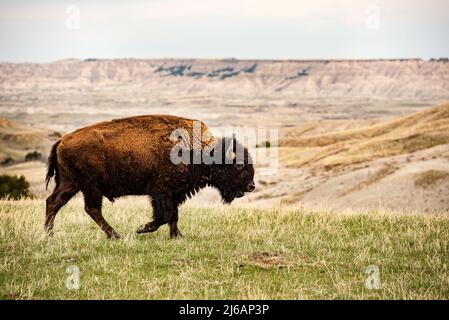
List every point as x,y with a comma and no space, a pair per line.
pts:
408,134
17,140
400,164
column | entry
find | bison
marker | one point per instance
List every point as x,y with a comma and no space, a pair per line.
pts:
132,156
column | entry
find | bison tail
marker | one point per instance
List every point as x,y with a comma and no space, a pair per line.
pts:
52,169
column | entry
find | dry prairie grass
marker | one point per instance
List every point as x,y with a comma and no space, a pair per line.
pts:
431,177
226,253
16,140
405,135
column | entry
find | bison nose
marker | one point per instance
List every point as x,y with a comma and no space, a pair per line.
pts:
251,187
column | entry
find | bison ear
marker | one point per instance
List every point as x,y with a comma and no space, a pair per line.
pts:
239,166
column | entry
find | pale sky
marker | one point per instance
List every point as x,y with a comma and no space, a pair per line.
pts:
42,31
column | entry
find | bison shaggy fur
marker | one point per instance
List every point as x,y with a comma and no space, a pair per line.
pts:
131,156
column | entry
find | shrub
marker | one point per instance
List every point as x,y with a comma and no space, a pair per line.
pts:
429,178
30,156
55,134
6,161
13,187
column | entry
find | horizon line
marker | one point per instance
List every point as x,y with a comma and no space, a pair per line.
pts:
93,59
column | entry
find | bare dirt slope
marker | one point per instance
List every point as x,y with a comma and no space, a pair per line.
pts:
400,164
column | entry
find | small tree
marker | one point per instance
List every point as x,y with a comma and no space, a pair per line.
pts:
13,187
6,161
30,156
55,134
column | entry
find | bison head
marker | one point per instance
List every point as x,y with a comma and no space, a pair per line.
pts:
233,176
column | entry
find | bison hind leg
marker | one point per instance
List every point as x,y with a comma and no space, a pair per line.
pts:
92,205
60,196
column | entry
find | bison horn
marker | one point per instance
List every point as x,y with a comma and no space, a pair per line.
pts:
230,154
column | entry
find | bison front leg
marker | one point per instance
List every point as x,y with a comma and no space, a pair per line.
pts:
174,231
164,211
148,227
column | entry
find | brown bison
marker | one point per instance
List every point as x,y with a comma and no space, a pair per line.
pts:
132,156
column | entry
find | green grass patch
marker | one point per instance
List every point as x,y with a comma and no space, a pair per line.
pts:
226,253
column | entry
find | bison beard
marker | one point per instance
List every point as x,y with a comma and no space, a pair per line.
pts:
131,157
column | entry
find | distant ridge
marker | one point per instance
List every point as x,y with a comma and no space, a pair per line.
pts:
307,79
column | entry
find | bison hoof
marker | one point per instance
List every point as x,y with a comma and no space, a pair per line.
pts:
149,227
114,236
175,235
49,231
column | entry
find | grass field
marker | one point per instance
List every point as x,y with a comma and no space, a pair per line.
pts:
226,253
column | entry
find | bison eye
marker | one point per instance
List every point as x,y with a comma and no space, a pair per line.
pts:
239,166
